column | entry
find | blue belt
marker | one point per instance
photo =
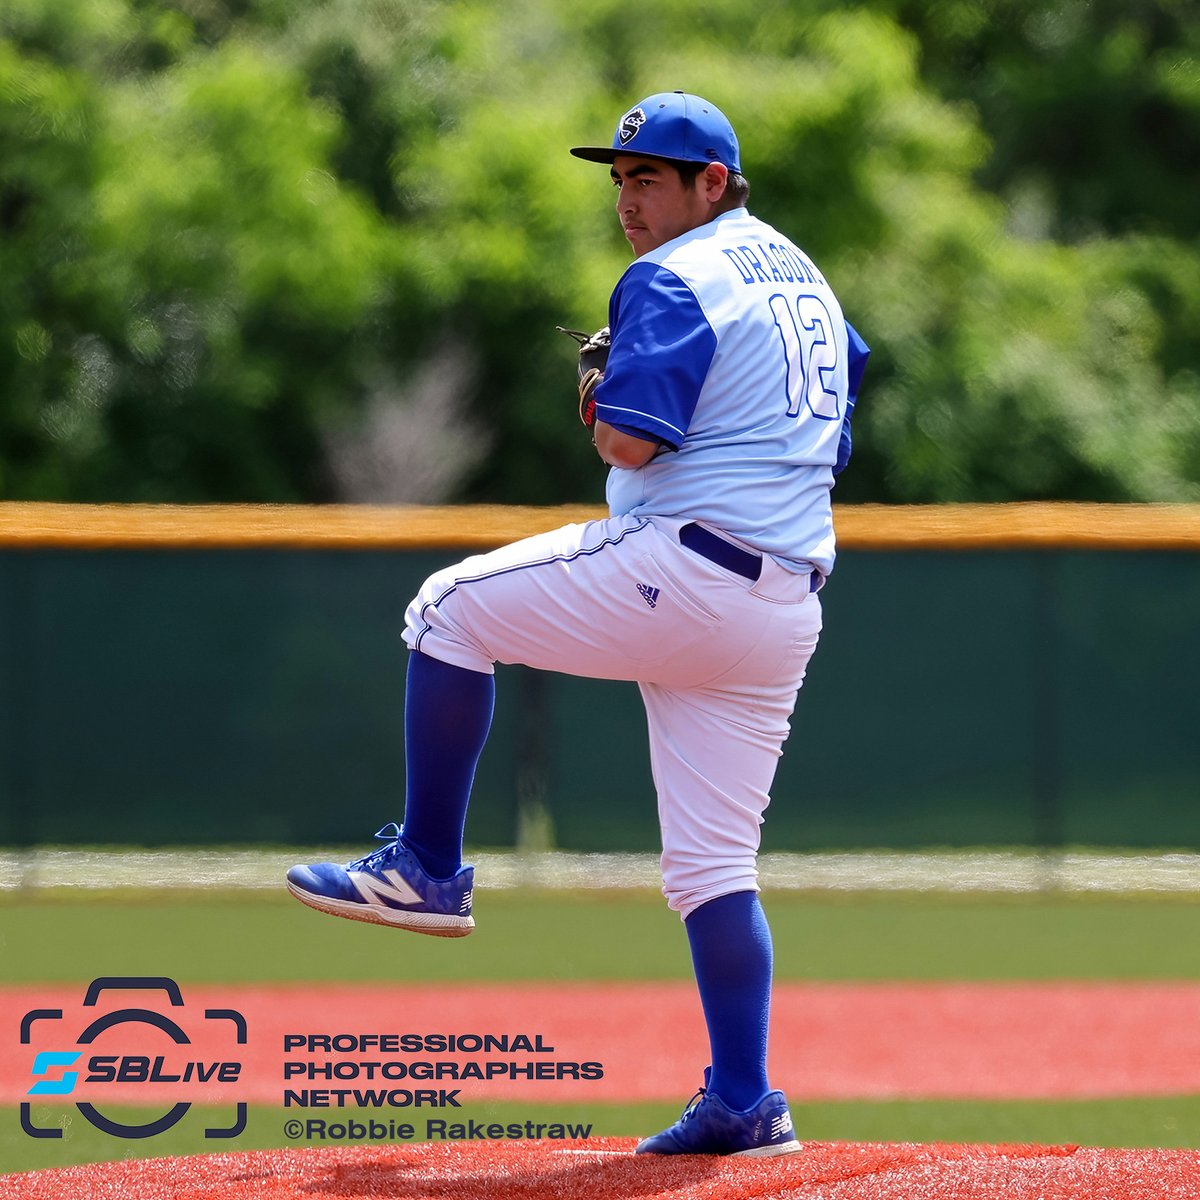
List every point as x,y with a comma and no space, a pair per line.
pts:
718,550
733,558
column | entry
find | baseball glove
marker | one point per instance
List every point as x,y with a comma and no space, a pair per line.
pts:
593,358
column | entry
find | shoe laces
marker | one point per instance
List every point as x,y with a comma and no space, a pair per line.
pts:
692,1105
390,833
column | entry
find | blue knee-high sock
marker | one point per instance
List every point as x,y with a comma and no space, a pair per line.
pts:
732,956
447,716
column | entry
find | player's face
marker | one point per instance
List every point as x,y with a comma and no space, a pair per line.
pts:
654,203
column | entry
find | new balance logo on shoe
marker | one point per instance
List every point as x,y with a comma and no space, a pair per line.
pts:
649,594
781,1124
388,886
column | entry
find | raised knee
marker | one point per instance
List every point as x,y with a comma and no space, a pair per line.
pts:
691,880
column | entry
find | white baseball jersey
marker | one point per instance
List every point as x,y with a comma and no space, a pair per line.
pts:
730,348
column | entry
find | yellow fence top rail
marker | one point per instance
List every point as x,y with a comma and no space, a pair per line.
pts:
361,527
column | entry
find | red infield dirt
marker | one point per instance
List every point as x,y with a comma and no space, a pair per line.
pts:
978,1041
832,1041
605,1169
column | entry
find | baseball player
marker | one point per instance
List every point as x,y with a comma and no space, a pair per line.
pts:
723,410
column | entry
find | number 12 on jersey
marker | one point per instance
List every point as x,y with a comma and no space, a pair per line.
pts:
810,353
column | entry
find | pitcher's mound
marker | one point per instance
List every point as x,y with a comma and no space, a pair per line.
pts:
607,1169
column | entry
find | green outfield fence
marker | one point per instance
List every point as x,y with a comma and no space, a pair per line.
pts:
1009,675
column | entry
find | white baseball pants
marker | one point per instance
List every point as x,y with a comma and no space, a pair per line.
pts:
719,660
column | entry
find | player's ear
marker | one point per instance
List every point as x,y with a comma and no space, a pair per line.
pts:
714,179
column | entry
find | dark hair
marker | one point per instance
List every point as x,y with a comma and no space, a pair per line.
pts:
737,187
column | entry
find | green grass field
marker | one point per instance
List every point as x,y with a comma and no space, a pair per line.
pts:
247,936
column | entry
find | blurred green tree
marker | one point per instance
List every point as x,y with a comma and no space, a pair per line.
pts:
258,250
184,273
1093,109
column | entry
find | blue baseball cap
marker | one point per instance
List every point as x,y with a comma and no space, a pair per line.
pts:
671,125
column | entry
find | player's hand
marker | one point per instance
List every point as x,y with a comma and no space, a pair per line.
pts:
587,399
593,358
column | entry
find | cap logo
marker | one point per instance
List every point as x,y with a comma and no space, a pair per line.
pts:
631,122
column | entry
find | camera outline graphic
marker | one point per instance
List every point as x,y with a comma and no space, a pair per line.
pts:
47,1061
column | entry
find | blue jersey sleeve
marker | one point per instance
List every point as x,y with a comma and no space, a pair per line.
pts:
859,353
662,346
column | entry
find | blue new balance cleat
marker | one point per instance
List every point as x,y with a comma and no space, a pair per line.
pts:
388,887
708,1126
